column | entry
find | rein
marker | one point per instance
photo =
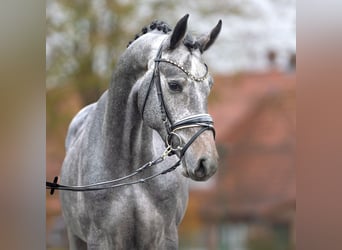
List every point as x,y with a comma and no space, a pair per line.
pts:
203,121
103,185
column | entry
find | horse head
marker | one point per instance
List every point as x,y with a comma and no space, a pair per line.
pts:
174,90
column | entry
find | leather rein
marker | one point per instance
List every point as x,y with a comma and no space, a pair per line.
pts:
204,121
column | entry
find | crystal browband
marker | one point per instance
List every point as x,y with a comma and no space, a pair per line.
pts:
191,76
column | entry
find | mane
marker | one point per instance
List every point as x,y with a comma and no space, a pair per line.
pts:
189,41
161,26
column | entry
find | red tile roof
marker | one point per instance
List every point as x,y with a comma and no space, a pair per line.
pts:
235,99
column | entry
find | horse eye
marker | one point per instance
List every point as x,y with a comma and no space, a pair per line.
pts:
175,86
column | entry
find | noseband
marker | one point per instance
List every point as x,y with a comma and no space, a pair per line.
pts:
203,121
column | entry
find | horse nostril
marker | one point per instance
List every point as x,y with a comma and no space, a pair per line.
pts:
200,171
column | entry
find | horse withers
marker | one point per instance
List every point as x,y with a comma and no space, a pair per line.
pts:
155,108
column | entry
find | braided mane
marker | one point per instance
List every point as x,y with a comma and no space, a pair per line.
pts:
189,41
155,25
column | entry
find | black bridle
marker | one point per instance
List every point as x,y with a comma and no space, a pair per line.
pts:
199,120
203,121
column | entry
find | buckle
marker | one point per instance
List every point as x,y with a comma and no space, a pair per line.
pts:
174,142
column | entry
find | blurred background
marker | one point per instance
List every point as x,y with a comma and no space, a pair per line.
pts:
250,203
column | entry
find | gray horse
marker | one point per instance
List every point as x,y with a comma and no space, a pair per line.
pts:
160,81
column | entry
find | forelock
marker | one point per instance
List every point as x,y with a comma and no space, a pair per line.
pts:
190,42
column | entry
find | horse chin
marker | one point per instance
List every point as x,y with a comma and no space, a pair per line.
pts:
196,178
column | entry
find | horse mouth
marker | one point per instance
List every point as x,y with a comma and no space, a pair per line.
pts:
185,172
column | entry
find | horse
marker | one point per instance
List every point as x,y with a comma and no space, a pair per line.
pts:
155,108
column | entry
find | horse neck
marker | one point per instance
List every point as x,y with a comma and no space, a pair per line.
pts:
127,140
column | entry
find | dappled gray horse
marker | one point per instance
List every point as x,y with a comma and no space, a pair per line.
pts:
155,112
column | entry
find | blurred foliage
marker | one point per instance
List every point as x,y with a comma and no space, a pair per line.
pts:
83,37
83,40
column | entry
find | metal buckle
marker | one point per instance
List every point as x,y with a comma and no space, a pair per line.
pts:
174,146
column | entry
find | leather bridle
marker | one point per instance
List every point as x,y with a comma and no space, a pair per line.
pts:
203,121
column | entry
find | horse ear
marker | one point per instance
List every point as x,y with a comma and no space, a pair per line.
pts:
178,32
206,41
